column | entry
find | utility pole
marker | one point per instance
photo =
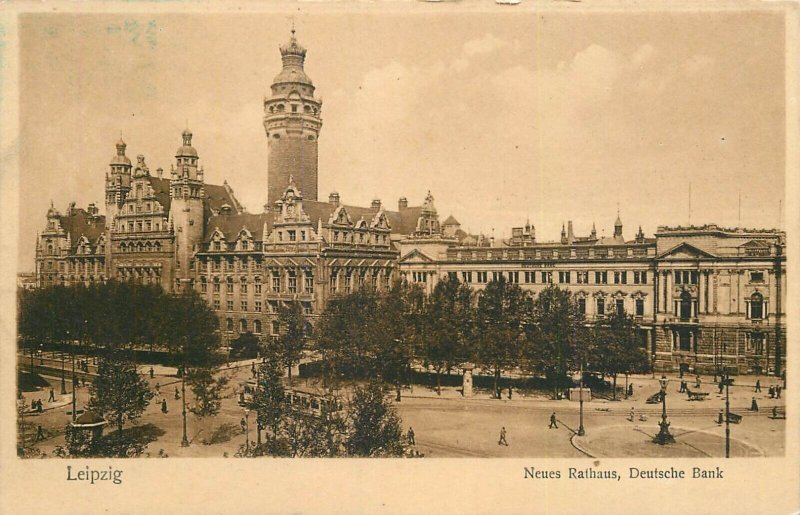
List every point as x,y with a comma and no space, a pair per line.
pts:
581,430
185,439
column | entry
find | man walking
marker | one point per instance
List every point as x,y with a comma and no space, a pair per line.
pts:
758,386
553,421
39,433
754,405
502,440
164,406
778,391
52,397
509,393
411,440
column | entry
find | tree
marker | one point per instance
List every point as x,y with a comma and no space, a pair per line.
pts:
553,342
187,327
245,346
375,426
617,347
207,390
269,397
118,392
447,322
346,336
394,333
291,340
501,316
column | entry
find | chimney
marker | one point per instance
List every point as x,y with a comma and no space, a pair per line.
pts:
376,203
570,234
159,172
402,203
333,198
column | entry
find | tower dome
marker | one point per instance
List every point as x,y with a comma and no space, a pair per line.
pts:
293,55
120,158
186,150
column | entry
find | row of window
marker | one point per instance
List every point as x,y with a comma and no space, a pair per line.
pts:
276,283
618,306
544,277
140,226
272,306
140,246
257,327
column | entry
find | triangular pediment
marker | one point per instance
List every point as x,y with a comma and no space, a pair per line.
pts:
755,244
685,251
416,256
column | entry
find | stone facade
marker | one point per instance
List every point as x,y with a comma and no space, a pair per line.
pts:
702,297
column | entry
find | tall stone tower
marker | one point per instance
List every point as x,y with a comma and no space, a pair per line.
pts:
186,212
118,182
292,122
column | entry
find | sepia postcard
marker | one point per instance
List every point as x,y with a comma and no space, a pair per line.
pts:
399,257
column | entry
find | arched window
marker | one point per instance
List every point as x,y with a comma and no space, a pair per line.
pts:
216,285
257,326
756,306
243,326
229,324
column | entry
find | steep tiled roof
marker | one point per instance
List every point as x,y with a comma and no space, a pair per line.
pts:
450,221
216,197
161,189
401,222
230,225
80,223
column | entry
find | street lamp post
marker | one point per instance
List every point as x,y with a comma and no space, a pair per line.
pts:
664,436
74,381
727,417
185,438
63,378
246,430
581,431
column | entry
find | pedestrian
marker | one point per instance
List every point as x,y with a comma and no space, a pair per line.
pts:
754,405
243,423
39,407
158,391
497,393
177,395
774,412
411,439
152,373
632,416
720,419
778,391
52,397
630,390
163,405
697,381
683,387
553,421
758,386
771,392
39,433
253,369
502,440
509,393
721,385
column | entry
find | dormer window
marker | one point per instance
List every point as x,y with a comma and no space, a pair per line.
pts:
245,244
217,246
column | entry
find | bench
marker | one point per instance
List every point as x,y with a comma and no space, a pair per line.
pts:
696,396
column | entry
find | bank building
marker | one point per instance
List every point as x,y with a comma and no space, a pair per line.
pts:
701,296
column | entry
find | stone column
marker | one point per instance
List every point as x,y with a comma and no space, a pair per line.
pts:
701,294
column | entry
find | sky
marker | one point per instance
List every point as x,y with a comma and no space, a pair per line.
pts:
505,117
